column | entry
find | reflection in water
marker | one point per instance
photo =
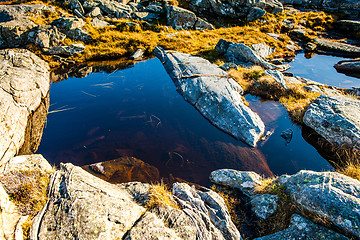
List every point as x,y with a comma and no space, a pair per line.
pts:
320,68
136,112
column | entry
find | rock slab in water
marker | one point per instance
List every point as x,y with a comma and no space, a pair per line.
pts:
302,229
336,118
25,80
338,47
348,66
213,93
333,196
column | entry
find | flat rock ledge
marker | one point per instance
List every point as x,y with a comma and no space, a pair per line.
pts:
336,118
24,82
213,93
82,206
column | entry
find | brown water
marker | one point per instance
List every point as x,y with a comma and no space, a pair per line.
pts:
137,112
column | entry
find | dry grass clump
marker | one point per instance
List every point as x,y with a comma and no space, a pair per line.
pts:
27,189
160,195
295,99
349,159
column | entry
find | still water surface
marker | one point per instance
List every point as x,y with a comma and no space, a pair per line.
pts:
137,112
320,68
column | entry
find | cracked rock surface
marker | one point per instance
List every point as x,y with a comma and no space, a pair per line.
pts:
82,206
213,93
24,82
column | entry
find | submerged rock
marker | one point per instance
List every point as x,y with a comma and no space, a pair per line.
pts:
332,195
213,93
287,135
244,181
25,80
336,118
302,229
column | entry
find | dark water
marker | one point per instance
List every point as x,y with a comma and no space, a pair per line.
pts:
137,112
320,68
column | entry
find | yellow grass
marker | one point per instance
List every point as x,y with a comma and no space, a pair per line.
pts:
160,195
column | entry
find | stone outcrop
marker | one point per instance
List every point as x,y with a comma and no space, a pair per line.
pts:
213,93
348,66
235,9
109,211
336,118
337,48
244,181
180,18
348,27
25,81
264,205
241,54
301,229
348,7
333,196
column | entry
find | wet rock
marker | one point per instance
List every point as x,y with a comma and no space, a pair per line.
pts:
255,13
240,53
278,77
72,27
214,221
348,66
263,50
179,18
201,24
77,197
332,195
95,22
287,135
25,80
216,96
264,205
244,181
302,229
66,50
336,118
339,48
138,54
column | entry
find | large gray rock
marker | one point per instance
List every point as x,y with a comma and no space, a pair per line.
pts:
82,206
278,77
24,82
302,229
16,11
112,8
348,66
336,118
46,36
240,53
350,27
348,7
66,50
213,93
338,47
179,18
73,28
26,163
235,9
244,181
333,196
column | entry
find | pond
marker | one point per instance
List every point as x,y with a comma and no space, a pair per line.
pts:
320,68
137,112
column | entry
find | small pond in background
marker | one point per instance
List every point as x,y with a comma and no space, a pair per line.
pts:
320,68
137,112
